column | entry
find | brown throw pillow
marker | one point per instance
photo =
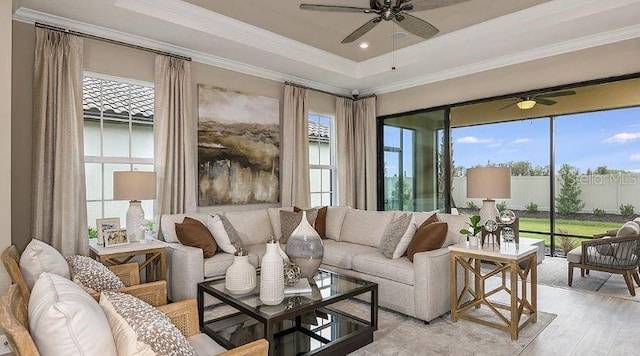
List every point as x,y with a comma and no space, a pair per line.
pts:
321,221
428,238
431,219
192,232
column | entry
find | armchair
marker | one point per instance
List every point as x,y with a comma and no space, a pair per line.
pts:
154,293
614,255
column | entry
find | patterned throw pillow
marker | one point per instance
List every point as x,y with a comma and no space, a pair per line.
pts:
93,275
139,328
393,234
234,238
290,220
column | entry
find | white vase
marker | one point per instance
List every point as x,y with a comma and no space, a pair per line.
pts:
271,276
305,248
241,275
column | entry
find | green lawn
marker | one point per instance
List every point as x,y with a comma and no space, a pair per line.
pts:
573,227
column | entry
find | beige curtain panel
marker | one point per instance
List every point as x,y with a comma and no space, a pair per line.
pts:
58,206
356,141
175,138
295,148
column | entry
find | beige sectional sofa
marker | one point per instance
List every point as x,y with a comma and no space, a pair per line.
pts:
420,288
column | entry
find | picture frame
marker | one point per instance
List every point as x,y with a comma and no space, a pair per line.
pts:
115,237
106,224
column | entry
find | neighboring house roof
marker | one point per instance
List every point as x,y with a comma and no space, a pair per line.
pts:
116,103
116,99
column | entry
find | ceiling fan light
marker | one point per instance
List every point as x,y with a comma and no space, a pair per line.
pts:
526,104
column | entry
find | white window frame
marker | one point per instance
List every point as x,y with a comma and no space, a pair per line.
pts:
333,168
102,160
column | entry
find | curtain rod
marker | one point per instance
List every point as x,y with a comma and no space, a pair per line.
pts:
108,40
326,92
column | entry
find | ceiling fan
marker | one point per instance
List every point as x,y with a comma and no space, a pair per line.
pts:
529,101
390,10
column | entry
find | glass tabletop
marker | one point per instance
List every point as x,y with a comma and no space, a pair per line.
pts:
325,286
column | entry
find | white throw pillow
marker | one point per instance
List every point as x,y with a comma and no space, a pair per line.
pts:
401,249
364,227
629,228
253,226
39,257
65,320
216,227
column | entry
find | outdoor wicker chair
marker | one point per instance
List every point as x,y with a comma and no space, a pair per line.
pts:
614,255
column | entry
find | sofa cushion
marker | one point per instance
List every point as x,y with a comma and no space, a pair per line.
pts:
394,233
168,222
320,223
629,228
93,275
456,223
192,232
335,218
575,255
253,226
340,254
257,251
427,238
137,327
365,227
274,216
376,264
65,320
204,345
289,221
216,265
39,257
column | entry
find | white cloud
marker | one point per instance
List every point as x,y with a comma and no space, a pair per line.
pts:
473,139
497,144
635,157
634,170
623,137
522,140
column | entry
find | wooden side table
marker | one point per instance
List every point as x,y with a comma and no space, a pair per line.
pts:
506,259
155,252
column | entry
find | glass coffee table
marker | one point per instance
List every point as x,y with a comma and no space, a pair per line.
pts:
301,324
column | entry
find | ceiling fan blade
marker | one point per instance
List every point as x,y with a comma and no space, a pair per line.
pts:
362,10
545,101
415,25
421,5
558,93
375,4
360,31
508,106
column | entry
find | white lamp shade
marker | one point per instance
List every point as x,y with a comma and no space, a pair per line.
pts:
489,182
134,185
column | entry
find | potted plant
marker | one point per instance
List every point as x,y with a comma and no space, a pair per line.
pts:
474,225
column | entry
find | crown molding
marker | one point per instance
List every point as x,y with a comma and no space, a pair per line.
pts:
32,16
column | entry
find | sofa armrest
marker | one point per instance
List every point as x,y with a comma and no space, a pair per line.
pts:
185,271
432,281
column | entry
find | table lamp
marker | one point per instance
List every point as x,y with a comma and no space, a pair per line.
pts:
489,183
134,186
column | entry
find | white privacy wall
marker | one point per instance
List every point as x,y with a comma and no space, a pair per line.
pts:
606,192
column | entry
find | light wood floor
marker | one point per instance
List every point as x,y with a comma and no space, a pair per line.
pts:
587,324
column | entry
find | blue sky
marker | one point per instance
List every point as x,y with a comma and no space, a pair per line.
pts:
605,138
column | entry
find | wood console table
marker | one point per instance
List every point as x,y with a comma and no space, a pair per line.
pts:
519,262
155,252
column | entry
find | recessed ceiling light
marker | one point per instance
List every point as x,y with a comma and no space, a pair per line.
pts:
399,36
364,45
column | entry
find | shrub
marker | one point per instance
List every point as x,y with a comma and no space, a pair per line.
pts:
566,243
627,210
501,206
568,200
471,205
598,212
531,207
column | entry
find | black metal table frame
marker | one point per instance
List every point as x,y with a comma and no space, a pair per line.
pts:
343,345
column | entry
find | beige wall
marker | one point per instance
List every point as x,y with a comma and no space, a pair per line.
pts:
600,62
110,59
5,133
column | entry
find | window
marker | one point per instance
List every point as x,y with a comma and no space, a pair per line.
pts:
322,162
118,136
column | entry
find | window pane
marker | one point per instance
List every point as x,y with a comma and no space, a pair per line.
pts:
93,177
316,199
142,141
326,180
142,167
314,152
326,199
116,209
94,211
147,207
91,138
325,153
142,103
108,177
116,139
314,180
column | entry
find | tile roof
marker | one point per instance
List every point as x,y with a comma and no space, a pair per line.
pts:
117,98
319,131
